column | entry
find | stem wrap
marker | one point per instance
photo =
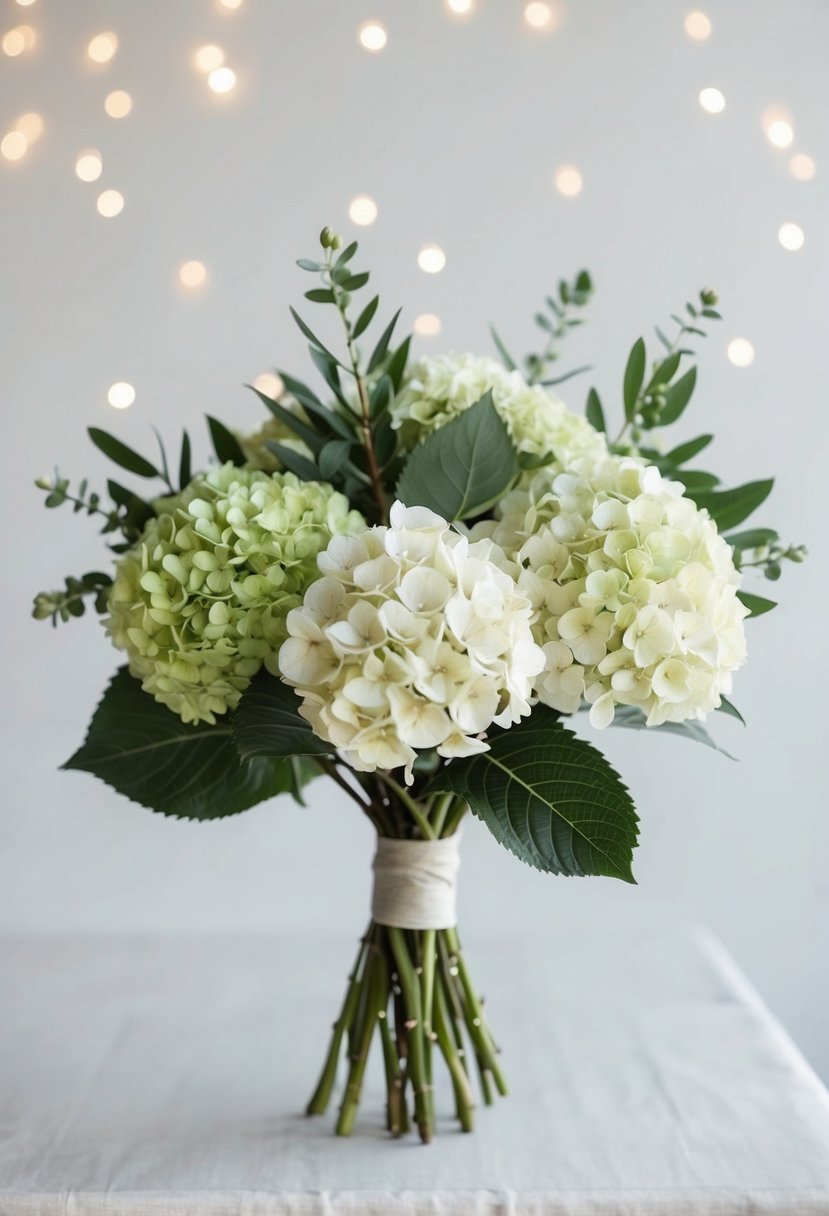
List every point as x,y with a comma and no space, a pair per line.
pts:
415,883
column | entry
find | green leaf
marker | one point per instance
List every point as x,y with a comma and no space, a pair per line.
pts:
327,368
120,454
137,510
333,457
594,412
294,462
685,451
346,255
565,376
697,482
506,358
728,508
292,421
185,471
550,798
726,707
355,281
379,352
677,397
634,376
664,370
307,264
462,468
225,444
146,752
364,320
757,605
311,403
397,363
268,723
380,396
632,718
310,335
320,295
752,538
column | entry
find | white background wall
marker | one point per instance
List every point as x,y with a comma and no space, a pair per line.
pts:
455,129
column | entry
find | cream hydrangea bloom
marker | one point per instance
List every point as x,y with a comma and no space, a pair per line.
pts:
412,639
199,604
439,388
635,588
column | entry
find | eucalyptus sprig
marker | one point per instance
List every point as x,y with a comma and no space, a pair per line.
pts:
555,321
62,605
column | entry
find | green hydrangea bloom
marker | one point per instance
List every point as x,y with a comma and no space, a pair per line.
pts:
199,604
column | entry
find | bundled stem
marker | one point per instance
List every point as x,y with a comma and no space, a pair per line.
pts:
412,990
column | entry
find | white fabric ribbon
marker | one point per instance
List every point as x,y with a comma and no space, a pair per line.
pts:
414,883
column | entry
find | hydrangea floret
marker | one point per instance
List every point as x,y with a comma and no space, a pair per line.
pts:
414,639
635,589
199,604
439,388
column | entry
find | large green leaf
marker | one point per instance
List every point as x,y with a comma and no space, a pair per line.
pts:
633,719
728,508
550,798
462,468
268,723
146,752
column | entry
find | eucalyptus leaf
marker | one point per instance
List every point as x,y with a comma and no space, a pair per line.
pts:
677,398
730,507
549,797
379,352
225,444
685,451
120,454
634,377
462,468
144,751
594,412
290,420
365,318
310,335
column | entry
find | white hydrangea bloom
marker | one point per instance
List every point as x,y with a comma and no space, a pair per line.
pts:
635,589
412,639
439,388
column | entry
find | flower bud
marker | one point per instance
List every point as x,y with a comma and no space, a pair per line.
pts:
44,483
709,297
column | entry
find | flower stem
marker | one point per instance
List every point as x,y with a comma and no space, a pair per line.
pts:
322,1094
414,1027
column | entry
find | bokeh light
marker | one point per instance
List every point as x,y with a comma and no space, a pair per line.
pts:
540,16
88,166
432,259
14,145
740,352
21,38
110,203
222,80
269,384
802,167
209,57
791,236
362,210
373,36
30,125
569,181
118,103
192,273
462,7
712,101
102,47
697,26
427,325
121,395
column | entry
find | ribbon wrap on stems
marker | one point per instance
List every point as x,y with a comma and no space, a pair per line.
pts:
415,883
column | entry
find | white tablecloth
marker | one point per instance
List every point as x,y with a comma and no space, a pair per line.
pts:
166,1076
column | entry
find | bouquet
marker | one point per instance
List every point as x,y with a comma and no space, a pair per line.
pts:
412,581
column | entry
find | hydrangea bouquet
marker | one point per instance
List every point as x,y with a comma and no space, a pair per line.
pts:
412,581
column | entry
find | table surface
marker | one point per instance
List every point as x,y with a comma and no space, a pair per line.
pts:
166,1076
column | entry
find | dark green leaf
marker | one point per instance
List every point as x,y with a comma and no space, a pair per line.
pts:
146,752
397,363
327,368
345,256
550,798
120,454
185,472
726,707
634,376
333,457
268,723
310,335
225,444
379,352
678,397
665,370
290,420
311,403
594,412
697,482
753,538
364,320
730,507
633,719
757,605
137,510
294,462
320,295
380,396
462,468
355,281
685,451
